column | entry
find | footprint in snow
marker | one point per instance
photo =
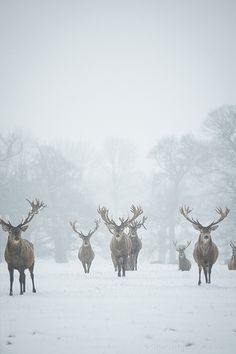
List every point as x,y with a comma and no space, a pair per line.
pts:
188,344
148,336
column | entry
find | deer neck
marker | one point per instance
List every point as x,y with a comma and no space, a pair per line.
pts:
14,247
88,246
182,256
204,246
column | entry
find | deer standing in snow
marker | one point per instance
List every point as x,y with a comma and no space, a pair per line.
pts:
232,262
120,245
205,250
19,253
86,253
136,243
184,263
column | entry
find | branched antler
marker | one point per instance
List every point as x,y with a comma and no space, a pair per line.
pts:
73,225
138,224
36,207
185,211
110,223
91,232
80,233
222,214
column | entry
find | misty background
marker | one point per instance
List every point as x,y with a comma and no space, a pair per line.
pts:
118,103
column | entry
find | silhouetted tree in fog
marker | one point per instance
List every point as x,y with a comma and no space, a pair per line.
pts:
10,147
220,126
175,159
57,180
119,160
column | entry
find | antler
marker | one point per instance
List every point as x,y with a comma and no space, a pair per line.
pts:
138,224
72,224
185,211
104,215
223,215
36,207
188,243
110,223
232,244
80,233
136,211
91,232
181,247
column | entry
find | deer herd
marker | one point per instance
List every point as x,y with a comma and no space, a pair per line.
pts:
125,244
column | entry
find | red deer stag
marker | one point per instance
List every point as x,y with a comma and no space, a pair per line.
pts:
120,245
19,253
86,254
205,250
232,262
184,263
136,243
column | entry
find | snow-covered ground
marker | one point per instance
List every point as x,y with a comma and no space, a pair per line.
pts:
154,310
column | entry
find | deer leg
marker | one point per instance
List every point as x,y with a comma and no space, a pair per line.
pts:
123,269
31,269
114,262
199,278
124,265
119,270
84,266
11,272
119,265
88,266
24,277
205,269
209,275
21,279
135,261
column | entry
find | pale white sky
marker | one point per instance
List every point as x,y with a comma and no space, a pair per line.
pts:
90,69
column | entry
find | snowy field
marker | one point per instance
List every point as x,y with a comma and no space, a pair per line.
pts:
154,310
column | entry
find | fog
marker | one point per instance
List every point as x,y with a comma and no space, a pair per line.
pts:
86,70
100,96
122,105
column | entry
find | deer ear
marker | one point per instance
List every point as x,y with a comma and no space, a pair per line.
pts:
24,228
213,228
5,227
196,227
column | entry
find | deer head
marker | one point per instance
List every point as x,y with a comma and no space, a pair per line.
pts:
117,230
232,245
85,237
181,248
135,225
205,231
14,232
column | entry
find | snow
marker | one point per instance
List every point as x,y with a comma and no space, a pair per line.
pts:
157,309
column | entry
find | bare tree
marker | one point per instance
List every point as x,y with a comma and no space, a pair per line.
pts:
120,157
176,159
10,146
